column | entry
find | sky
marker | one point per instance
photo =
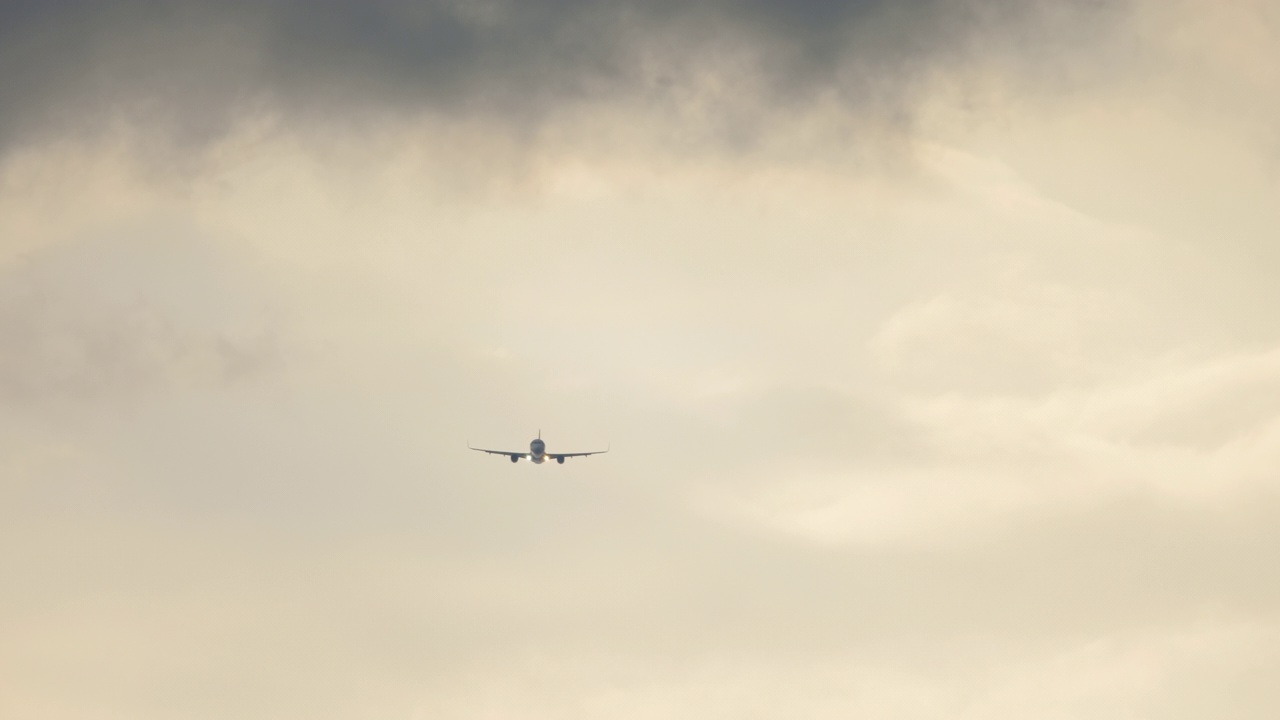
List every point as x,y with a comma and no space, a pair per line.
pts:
936,345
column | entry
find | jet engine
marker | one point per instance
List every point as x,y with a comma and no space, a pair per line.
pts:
515,458
560,460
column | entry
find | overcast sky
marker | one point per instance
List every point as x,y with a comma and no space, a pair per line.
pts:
937,344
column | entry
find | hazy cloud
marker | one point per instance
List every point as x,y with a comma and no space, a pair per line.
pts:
112,317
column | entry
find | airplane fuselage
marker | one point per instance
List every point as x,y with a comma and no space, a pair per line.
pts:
538,451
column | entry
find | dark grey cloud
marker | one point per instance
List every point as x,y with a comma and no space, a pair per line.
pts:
192,67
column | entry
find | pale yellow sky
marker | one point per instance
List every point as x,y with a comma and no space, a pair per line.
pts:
937,345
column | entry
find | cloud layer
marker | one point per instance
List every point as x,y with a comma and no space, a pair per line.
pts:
936,344
194,68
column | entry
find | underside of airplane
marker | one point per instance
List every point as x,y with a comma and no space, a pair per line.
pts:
537,452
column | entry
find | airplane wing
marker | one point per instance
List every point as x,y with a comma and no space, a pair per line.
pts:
501,452
557,456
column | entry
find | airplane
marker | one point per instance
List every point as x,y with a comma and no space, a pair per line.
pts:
537,452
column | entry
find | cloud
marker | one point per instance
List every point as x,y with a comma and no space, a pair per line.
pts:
194,68
113,317
994,439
